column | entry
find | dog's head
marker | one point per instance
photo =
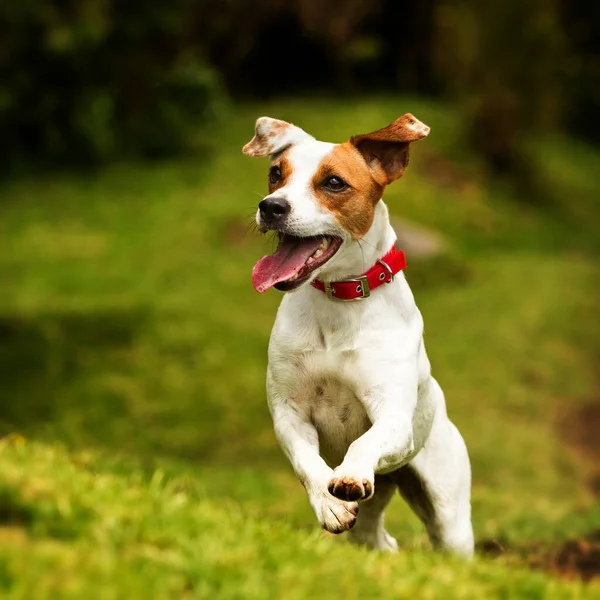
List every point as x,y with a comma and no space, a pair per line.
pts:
322,195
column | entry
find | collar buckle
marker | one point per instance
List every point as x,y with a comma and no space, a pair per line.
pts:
363,288
388,269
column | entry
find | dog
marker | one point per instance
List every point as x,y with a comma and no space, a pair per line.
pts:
349,384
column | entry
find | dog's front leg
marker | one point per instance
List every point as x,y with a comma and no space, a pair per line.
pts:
386,445
299,440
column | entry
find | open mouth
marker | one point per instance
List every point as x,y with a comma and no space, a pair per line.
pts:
293,261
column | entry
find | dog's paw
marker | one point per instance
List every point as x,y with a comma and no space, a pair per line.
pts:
351,487
334,515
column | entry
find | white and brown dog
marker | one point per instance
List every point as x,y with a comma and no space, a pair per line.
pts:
349,384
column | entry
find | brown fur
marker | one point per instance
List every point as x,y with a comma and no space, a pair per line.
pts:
286,173
388,148
267,137
354,207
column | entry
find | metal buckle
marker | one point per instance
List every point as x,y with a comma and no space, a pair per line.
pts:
388,269
363,287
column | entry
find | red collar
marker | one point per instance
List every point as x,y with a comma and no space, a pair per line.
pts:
381,272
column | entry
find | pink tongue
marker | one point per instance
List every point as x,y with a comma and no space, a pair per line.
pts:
287,260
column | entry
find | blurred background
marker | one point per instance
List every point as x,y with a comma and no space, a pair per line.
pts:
129,329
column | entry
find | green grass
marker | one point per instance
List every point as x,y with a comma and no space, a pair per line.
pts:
133,356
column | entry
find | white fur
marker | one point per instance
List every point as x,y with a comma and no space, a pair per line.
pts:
350,388
308,216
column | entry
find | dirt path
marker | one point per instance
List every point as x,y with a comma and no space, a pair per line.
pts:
574,558
582,431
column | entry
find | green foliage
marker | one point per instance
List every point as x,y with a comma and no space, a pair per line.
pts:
88,81
160,536
506,62
133,356
85,82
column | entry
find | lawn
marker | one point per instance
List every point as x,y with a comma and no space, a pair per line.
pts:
138,459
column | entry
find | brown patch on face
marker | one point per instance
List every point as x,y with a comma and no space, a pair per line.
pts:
284,174
353,207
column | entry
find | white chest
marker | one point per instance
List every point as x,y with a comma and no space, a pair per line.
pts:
326,358
323,387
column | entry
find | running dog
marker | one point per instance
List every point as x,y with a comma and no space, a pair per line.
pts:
349,385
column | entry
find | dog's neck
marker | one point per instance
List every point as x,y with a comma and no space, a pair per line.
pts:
357,256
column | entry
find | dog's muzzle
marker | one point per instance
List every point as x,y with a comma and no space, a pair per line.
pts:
274,212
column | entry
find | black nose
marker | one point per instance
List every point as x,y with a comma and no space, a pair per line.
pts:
274,209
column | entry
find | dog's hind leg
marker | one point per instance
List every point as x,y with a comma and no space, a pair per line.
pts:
369,530
437,486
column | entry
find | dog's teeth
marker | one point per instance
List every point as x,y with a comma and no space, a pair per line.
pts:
325,243
294,277
318,253
310,259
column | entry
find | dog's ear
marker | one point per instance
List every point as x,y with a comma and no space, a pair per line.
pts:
386,150
273,135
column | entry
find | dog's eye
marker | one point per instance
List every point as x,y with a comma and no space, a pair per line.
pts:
335,184
274,175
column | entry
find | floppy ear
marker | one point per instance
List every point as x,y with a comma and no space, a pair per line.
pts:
387,149
273,135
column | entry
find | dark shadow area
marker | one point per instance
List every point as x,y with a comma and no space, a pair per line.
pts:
577,558
581,429
281,61
572,559
13,512
40,354
42,519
